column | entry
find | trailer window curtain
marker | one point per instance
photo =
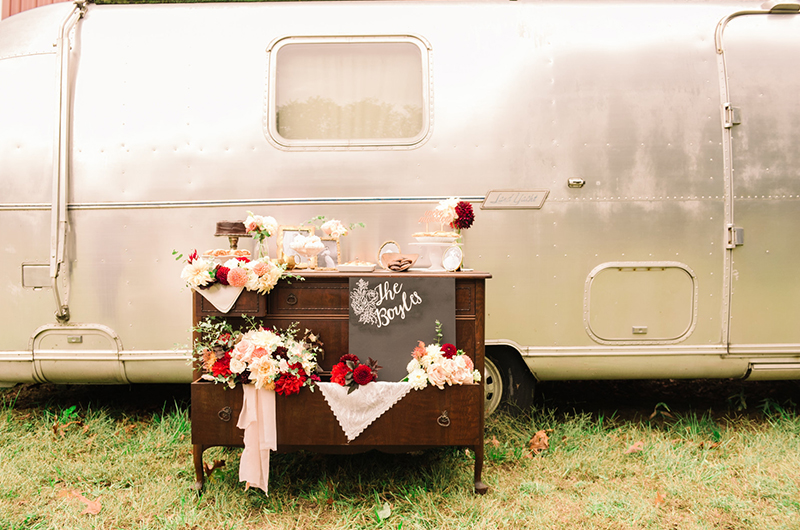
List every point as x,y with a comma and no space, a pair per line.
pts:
345,93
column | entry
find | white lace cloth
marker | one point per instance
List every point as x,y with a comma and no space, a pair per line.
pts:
221,296
257,419
357,410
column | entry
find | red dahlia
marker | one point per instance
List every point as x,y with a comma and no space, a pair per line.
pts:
339,373
464,215
362,374
449,351
222,366
288,384
222,274
348,357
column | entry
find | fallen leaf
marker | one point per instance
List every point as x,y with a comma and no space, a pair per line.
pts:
210,468
635,448
661,409
540,442
660,498
494,442
92,507
59,429
385,512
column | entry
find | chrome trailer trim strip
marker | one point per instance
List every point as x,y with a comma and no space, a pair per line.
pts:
236,202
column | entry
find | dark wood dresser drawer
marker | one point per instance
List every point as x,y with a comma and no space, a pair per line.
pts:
328,296
215,411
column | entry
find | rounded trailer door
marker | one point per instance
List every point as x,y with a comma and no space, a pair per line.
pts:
762,59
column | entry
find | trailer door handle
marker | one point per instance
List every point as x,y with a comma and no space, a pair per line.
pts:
576,183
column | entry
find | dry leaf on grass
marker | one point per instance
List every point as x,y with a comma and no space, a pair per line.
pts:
540,442
494,442
660,498
385,512
58,429
216,465
635,448
92,507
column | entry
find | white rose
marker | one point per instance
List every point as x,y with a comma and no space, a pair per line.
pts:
237,366
413,366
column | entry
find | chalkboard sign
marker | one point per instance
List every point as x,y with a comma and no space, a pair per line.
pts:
388,318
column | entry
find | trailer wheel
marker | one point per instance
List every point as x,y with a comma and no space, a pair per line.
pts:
507,380
492,386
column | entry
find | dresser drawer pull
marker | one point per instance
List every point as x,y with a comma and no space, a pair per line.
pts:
291,299
444,419
225,414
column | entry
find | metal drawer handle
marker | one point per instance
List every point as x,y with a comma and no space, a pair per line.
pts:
444,419
225,414
291,299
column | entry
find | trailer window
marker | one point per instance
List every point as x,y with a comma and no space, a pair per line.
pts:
354,91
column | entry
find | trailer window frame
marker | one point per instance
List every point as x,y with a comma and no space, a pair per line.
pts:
271,127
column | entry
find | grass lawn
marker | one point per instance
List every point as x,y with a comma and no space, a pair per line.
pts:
120,457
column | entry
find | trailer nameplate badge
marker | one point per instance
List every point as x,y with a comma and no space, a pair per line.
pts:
514,199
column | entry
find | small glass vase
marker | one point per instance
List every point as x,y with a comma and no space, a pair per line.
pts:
262,248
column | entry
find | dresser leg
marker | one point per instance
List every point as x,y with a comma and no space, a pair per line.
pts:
480,487
199,472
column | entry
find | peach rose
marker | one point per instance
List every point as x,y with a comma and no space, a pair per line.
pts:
437,375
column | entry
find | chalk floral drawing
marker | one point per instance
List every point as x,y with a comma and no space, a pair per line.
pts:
364,302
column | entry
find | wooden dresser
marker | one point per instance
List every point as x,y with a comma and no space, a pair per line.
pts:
422,419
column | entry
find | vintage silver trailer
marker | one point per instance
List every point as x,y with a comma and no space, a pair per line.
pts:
634,168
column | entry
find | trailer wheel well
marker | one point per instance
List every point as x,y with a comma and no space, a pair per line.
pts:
508,376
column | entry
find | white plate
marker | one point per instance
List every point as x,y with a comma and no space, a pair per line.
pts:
433,239
356,268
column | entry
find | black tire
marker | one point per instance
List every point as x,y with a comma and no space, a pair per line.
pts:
507,382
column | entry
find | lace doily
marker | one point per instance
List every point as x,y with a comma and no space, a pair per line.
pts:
257,419
357,410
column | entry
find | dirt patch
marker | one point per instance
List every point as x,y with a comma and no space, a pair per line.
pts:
626,399
125,399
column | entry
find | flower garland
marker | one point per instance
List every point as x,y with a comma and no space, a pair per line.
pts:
351,373
439,365
267,358
259,275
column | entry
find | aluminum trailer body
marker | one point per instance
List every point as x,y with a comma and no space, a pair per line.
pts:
633,167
